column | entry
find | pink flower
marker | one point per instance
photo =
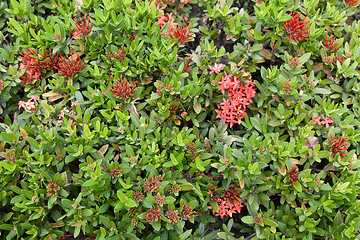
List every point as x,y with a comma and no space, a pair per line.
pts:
216,68
162,20
172,23
74,104
327,121
316,119
185,1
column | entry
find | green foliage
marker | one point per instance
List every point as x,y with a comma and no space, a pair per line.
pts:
150,157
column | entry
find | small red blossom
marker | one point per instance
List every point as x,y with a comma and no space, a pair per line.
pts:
153,214
216,68
53,187
181,33
328,121
352,3
339,145
70,65
187,68
174,109
187,211
173,216
293,175
152,184
82,28
115,172
329,42
123,89
296,28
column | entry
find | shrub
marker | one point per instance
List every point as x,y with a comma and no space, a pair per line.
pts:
179,119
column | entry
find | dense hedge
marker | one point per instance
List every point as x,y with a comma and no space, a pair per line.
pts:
131,119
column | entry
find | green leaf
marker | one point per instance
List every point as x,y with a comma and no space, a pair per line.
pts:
322,91
105,221
7,227
186,186
156,225
7,137
304,58
270,223
297,186
8,166
248,220
197,107
135,119
256,123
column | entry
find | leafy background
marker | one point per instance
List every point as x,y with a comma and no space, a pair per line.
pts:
96,170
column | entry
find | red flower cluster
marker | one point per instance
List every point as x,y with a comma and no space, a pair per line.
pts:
70,66
339,145
352,2
187,211
123,89
115,172
296,28
82,28
233,109
53,187
153,214
66,236
329,42
173,216
181,33
36,64
293,175
229,203
175,108
328,121
152,184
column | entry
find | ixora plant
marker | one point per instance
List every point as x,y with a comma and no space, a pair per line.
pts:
131,119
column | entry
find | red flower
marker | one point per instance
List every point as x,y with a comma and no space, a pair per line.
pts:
338,146
187,68
352,2
70,66
175,108
233,109
229,203
36,65
187,211
153,214
123,89
293,175
296,28
181,33
53,187
329,42
173,216
83,27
